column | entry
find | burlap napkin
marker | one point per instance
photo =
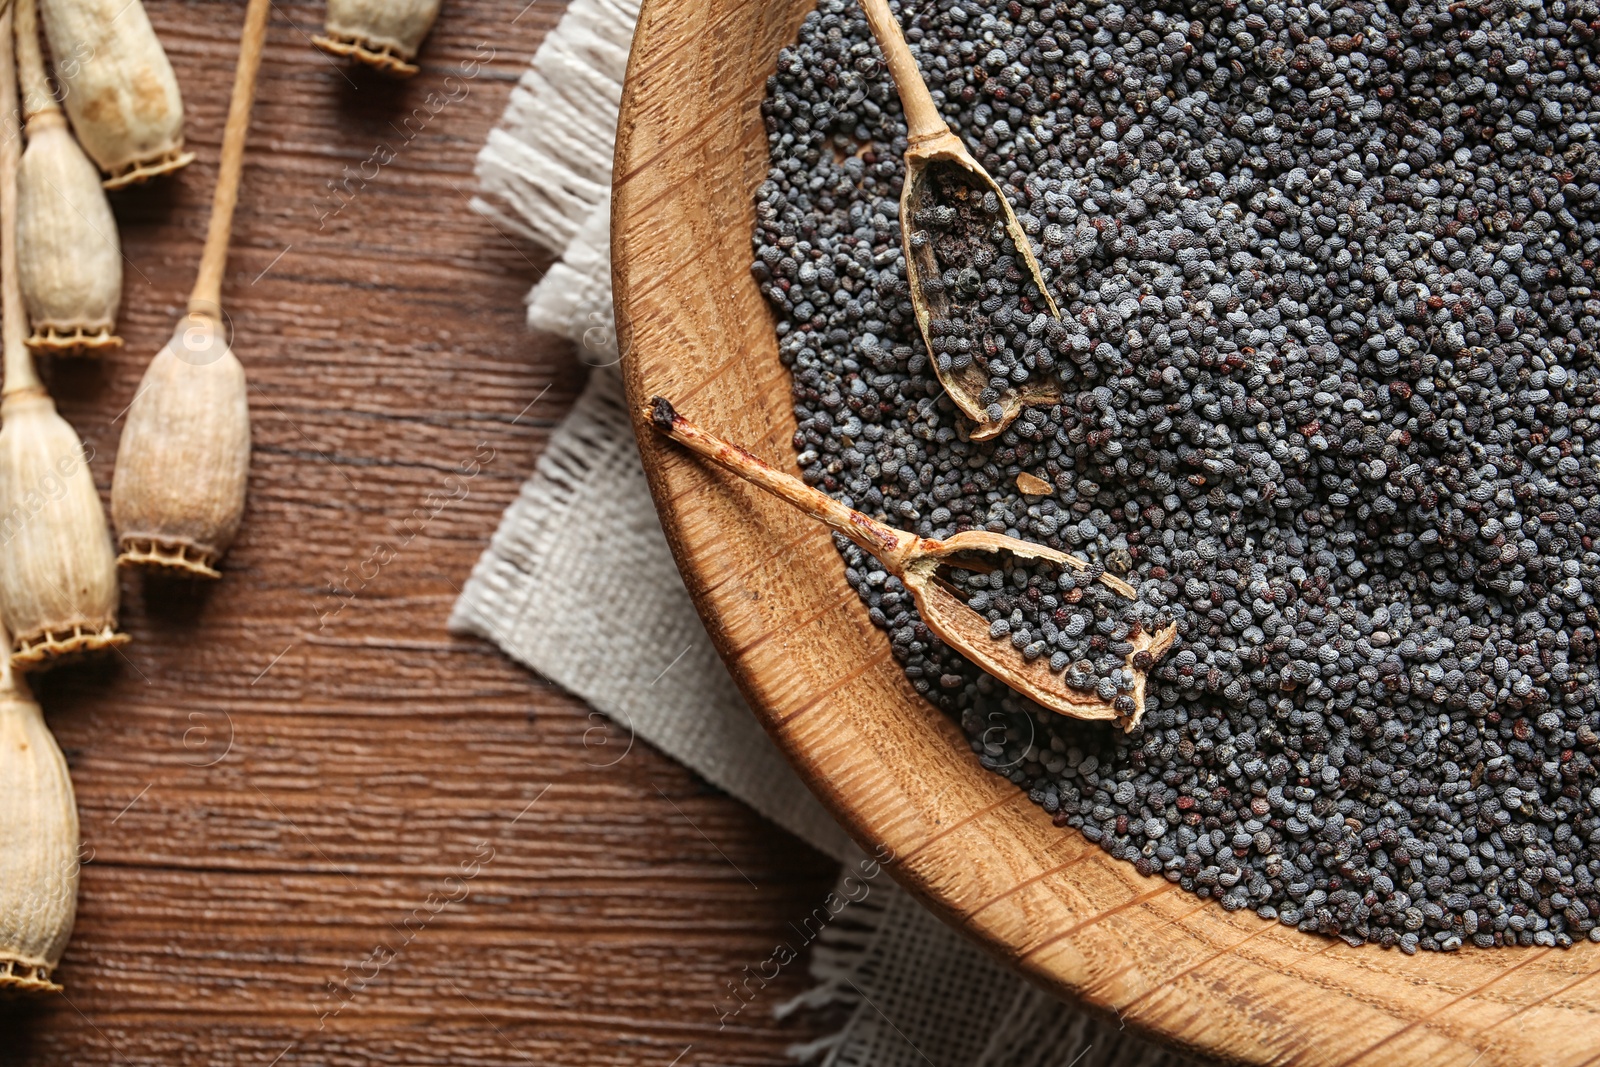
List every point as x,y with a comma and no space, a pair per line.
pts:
578,585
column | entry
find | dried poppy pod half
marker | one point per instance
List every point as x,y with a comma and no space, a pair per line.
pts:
178,493
380,33
934,154
68,254
919,563
118,87
39,844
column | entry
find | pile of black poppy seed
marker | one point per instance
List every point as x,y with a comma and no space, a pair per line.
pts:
994,315
1329,318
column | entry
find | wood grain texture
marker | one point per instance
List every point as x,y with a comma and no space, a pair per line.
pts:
691,150
275,778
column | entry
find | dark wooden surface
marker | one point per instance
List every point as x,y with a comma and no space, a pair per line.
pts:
277,783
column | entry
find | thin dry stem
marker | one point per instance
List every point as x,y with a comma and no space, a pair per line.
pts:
37,97
923,121
19,371
206,297
893,547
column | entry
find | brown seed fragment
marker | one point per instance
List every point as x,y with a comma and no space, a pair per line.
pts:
1032,486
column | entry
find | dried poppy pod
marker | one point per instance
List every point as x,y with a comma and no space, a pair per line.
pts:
58,576
178,493
118,87
380,33
39,844
68,252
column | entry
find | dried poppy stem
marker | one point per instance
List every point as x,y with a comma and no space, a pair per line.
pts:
178,494
39,843
58,577
68,252
916,561
118,87
380,33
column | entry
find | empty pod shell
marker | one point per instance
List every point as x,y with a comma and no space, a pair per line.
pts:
380,33
118,87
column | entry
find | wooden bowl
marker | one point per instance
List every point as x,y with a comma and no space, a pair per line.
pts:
690,152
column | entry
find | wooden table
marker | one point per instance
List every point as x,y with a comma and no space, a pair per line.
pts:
281,785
